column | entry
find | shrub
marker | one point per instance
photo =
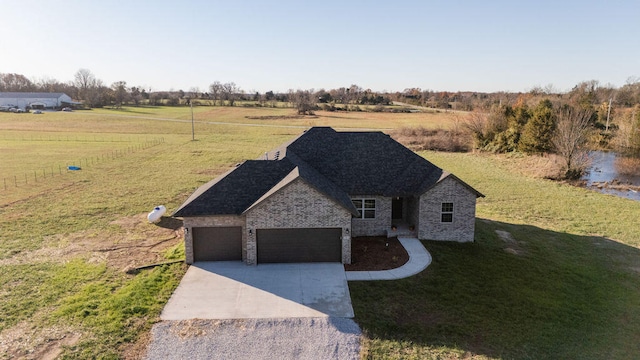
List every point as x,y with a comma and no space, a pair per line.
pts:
433,139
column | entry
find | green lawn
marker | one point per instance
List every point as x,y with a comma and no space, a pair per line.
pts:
57,275
556,289
559,290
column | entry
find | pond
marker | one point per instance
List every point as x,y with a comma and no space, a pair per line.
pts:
611,173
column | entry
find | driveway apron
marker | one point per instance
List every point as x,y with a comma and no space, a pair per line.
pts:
233,290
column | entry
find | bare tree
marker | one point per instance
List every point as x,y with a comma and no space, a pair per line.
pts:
194,92
155,98
340,95
136,95
84,80
230,92
120,93
570,138
477,124
215,92
15,82
304,101
90,89
47,84
354,92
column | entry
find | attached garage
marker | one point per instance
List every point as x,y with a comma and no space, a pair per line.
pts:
299,245
217,243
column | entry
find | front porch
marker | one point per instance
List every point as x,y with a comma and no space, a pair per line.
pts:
393,216
403,217
401,229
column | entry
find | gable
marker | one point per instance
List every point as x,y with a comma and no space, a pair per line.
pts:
454,186
297,204
233,192
314,182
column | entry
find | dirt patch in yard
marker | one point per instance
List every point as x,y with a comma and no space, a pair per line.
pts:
140,243
134,243
370,253
26,340
280,117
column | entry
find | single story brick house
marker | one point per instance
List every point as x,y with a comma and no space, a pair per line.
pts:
304,201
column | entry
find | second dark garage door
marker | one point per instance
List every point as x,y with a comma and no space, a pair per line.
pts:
217,243
299,245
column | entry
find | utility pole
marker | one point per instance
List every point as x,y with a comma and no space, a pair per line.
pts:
193,132
608,114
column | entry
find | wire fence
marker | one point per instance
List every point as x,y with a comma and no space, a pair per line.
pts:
48,172
70,138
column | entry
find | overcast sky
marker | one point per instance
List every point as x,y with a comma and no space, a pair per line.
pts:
279,45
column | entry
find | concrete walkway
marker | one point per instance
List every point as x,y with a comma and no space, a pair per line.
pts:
419,259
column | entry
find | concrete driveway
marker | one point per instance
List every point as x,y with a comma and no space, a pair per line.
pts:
233,290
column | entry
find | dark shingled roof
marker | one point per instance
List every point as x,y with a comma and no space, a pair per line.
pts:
338,164
364,163
235,191
324,185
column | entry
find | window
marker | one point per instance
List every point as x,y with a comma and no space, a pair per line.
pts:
366,208
447,212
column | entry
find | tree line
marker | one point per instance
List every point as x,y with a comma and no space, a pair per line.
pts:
591,91
541,120
92,91
86,87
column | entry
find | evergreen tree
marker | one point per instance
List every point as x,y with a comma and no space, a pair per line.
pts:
538,131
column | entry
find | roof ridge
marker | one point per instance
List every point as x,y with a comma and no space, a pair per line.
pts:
340,196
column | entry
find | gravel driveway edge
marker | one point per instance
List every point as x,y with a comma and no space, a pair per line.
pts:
286,338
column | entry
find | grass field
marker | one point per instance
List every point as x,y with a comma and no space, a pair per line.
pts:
544,279
554,273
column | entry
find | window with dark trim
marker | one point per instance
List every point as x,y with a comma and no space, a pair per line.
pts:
447,212
366,208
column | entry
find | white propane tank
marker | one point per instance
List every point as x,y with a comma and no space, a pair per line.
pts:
156,214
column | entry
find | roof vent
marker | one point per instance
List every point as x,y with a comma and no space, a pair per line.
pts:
277,155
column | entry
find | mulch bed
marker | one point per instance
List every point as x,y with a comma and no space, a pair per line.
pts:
371,253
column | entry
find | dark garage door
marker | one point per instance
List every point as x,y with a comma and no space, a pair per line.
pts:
217,243
299,245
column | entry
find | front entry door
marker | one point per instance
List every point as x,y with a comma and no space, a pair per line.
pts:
396,208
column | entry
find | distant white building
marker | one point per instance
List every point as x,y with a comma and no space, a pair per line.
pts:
35,100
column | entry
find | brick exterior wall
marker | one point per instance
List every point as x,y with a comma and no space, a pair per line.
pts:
377,226
462,228
211,221
298,205
413,211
